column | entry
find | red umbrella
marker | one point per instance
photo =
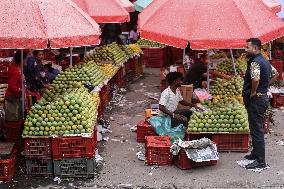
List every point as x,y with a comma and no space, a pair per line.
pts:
34,23
127,5
209,24
104,11
274,5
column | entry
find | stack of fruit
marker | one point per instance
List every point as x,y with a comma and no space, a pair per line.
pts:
119,55
223,89
227,67
135,48
218,55
223,116
149,44
74,113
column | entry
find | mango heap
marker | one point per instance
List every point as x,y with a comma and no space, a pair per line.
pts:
74,113
225,116
227,88
135,48
147,43
226,66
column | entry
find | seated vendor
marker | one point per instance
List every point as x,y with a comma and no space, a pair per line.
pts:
171,97
195,73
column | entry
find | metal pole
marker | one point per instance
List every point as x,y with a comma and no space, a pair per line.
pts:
71,57
23,84
183,57
208,77
85,50
270,51
234,62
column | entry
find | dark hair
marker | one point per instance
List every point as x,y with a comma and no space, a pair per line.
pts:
18,56
255,41
35,52
173,76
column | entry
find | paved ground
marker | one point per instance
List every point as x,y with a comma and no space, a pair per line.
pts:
123,170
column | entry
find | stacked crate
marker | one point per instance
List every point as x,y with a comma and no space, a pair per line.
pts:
278,65
8,155
155,57
74,156
38,154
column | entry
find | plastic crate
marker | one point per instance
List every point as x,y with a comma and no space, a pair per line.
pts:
74,168
8,166
155,57
144,129
266,124
42,167
13,131
231,142
158,150
196,136
74,146
38,147
182,162
277,100
278,65
119,78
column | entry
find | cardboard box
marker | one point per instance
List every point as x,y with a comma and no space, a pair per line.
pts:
186,92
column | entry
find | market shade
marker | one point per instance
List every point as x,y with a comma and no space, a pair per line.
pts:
104,11
34,23
207,24
274,5
139,5
127,5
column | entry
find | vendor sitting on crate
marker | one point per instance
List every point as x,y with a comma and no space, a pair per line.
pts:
171,97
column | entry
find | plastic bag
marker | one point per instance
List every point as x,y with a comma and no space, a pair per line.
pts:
162,126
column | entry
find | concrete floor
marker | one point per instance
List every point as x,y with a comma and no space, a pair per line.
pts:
122,169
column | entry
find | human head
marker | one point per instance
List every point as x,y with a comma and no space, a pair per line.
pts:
203,58
253,46
18,57
174,79
38,54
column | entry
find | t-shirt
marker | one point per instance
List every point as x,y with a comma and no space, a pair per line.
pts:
195,72
170,100
133,35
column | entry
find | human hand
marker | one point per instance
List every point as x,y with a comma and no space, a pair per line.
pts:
179,117
252,94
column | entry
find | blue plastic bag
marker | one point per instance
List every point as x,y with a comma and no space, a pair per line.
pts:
162,126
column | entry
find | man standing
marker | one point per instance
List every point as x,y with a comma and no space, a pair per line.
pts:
258,76
171,97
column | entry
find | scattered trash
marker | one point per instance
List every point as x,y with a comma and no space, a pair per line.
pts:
124,185
134,128
71,184
57,179
244,163
280,142
116,140
105,138
150,174
99,136
141,155
1,181
155,167
99,159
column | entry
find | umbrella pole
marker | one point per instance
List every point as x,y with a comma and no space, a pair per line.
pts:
85,50
234,63
71,57
208,77
270,51
23,85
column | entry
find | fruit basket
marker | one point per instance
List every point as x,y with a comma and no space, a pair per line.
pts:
74,168
144,129
182,162
38,147
8,164
158,150
71,147
277,100
42,167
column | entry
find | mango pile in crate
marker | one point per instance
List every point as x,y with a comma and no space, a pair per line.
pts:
222,116
149,44
73,113
227,88
227,67
135,48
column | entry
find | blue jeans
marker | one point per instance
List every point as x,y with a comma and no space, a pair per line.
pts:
256,108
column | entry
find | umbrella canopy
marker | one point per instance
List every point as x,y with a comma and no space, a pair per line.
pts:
104,11
35,23
139,5
274,5
207,24
127,5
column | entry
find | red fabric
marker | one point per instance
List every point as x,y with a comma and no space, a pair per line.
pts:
14,81
207,24
30,24
104,11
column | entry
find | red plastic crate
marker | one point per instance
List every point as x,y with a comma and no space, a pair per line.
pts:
277,100
13,131
266,124
197,136
8,166
278,65
105,94
38,147
231,142
119,78
144,129
155,57
182,162
74,146
158,150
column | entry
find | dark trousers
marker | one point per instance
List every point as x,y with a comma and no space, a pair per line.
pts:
185,112
256,108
